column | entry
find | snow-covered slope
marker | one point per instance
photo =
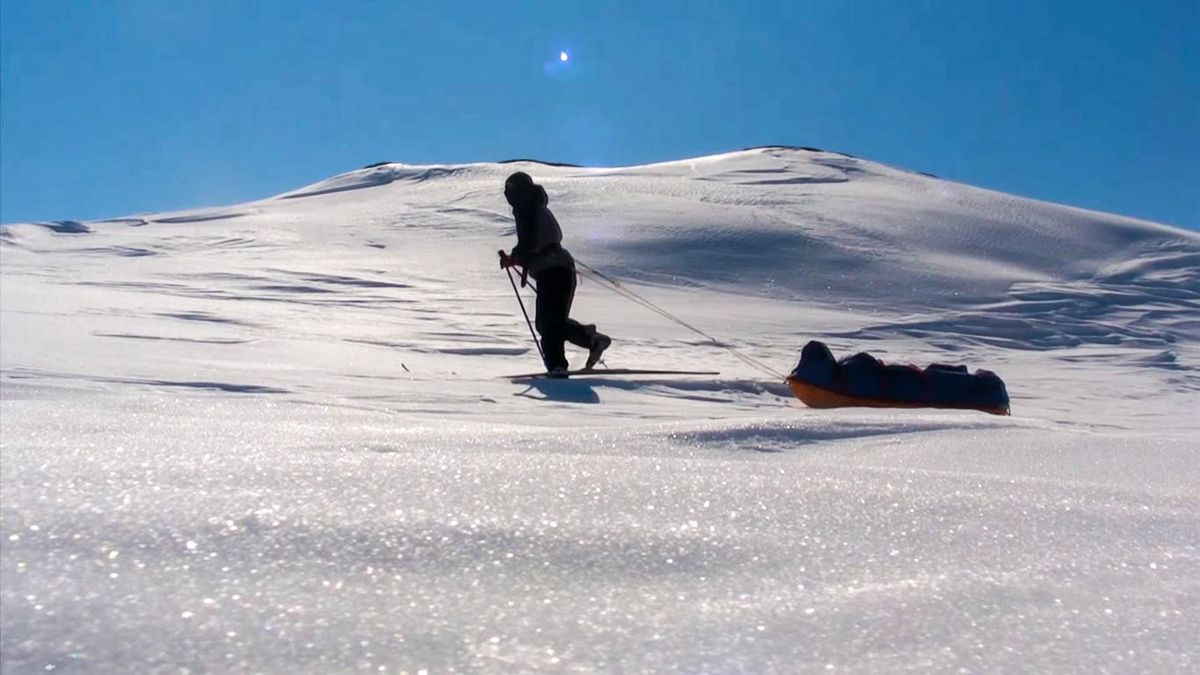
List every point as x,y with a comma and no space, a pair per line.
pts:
275,436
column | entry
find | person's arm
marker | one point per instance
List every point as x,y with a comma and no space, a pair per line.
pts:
526,238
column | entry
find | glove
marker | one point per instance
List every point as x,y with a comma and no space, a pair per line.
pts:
506,261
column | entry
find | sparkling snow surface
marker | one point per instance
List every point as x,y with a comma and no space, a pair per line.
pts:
275,436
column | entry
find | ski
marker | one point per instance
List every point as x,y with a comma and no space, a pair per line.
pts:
585,372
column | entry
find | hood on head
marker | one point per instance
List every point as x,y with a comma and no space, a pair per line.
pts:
521,195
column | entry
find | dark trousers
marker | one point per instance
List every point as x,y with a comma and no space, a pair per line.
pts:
555,293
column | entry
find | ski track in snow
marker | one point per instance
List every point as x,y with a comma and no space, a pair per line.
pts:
277,437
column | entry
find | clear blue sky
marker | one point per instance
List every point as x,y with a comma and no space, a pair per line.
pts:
111,108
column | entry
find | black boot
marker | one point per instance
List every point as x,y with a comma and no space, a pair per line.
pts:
600,342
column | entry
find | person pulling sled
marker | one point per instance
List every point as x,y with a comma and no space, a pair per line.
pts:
540,255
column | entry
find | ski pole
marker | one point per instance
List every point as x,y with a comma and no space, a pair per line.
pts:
527,321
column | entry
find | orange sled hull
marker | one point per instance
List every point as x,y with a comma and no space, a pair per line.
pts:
816,397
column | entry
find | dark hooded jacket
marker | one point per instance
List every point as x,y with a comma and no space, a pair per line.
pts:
539,237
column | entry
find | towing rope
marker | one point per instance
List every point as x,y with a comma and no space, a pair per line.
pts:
616,286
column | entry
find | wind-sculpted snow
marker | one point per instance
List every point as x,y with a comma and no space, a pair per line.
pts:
372,176
67,227
277,436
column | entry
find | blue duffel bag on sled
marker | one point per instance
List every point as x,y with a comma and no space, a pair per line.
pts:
821,381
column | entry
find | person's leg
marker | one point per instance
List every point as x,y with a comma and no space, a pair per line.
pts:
579,334
576,333
556,288
585,335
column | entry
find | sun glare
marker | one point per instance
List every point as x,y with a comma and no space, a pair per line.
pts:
562,56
